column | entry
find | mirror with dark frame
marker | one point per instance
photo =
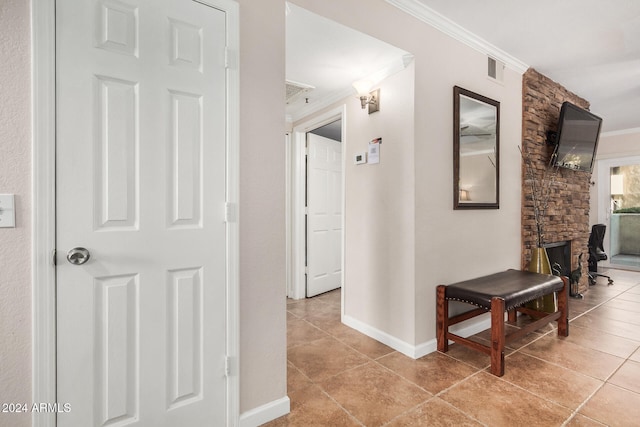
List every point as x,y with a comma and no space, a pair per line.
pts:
476,143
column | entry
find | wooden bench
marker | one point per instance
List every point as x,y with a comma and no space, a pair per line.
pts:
497,293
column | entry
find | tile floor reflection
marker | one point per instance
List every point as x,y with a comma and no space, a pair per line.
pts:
340,377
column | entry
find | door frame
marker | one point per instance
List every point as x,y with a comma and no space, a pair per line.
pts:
296,190
43,218
604,200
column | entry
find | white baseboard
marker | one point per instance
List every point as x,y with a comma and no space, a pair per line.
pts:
378,335
425,348
417,351
265,413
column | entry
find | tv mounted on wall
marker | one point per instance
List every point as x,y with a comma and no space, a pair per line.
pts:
577,138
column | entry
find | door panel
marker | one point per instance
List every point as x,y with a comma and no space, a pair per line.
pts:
184,160
141,167
185,332
324,218
116,345
115,166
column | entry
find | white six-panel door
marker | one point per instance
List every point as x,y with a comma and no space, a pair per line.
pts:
141,97
324,214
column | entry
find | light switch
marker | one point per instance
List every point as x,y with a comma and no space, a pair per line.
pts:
7,211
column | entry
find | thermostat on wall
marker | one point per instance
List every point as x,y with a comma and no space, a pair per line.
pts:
7,211
361,158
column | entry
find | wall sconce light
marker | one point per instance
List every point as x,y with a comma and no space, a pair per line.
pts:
367,98
464,196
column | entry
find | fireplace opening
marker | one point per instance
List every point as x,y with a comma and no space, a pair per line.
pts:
559,254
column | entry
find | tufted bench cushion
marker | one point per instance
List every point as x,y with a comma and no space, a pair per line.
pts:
496,293
514,286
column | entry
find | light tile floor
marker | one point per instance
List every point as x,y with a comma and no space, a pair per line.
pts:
339,377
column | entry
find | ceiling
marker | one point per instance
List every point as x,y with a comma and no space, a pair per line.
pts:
592,47
329,57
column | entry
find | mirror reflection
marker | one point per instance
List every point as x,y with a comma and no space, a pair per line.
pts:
476,148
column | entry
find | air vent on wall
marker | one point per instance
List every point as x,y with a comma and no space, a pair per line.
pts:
295,90
495,69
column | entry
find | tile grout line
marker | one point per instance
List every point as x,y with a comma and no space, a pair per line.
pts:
376,361
432,395
582,405
323,391
352,416
576,411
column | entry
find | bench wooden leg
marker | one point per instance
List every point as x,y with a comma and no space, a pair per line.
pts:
442,319
512,316
563,308
497,336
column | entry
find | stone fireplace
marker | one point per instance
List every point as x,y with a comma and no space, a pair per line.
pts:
567,218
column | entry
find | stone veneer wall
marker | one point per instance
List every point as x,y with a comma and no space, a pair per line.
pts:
567,217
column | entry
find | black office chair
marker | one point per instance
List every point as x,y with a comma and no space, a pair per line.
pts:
596,253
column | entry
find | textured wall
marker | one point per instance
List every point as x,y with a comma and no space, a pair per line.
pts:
380,211
263,356
567,216
15,178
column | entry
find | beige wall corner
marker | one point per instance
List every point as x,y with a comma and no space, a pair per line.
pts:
15,178
263,358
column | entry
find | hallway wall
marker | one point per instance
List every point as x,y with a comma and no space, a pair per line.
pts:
263,358
15,178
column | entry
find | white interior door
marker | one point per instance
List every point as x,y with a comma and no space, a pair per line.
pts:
324,214
141,326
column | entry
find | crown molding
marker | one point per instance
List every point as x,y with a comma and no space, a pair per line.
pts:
620,132
390,69
425,14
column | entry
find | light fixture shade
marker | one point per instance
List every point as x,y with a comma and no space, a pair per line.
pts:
362,87
617,184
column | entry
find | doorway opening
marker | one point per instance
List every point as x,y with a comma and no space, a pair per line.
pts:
624,235
328,185
323,208
619,210
323,61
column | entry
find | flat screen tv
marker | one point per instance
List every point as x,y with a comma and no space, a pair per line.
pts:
577,140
